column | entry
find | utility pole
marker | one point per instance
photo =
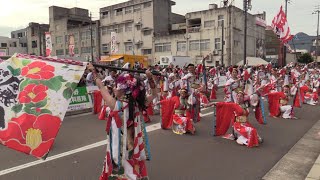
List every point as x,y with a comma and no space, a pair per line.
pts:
246,7
222,46
284,47
317,11
91,37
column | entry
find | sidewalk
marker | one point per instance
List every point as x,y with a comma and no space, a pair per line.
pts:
315,171
302,157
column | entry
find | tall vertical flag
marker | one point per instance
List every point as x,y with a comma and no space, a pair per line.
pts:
48,44
114,45
34,96
71,45
281,27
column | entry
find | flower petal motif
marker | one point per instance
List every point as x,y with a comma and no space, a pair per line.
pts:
33,93
38,70
13,131
48,124
43,148
44,128
25,121
14,144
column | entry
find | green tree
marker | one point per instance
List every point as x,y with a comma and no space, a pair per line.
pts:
305,58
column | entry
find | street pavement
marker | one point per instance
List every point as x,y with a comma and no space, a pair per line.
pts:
174,157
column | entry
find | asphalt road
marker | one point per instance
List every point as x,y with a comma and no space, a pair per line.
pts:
174,157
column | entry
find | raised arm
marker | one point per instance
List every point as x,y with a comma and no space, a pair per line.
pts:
109,100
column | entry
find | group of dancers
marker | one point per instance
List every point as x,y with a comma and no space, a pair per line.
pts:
129,99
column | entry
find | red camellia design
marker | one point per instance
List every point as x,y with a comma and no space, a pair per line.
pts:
30,134
38,70
33,93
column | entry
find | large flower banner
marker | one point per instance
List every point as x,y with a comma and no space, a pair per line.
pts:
34,96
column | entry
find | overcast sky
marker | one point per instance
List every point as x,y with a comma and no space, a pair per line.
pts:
16,14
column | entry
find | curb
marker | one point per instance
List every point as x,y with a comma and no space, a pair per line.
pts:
296,164
315,171
83,111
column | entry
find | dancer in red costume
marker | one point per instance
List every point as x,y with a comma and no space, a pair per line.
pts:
127,147
236,114
182,122
279,103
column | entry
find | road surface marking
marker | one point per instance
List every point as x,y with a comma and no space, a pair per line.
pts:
206,114
149,128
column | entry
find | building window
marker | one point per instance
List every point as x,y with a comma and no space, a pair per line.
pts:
194,45
104,48
58,39
85,50
104,14
110,29
76,51
128,27
146,51
217,43
88,34
128,10
4,45
205,44
104,31
118,12
20,35
59,52
12,36
146,5
137,8
181,46
14,44
163,47
118,28
128,46
220,20
147,33
83,36
34,44
76,37
138,27
202,45
209,24
66,38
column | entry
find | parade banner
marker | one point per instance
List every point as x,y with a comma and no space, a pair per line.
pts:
35,94
281,27
71,45
48,44
114,45
80,100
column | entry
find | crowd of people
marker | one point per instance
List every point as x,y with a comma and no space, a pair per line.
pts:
129,99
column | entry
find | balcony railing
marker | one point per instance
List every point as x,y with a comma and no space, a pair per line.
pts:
194,29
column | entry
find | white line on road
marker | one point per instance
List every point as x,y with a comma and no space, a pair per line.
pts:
206,114
149,128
